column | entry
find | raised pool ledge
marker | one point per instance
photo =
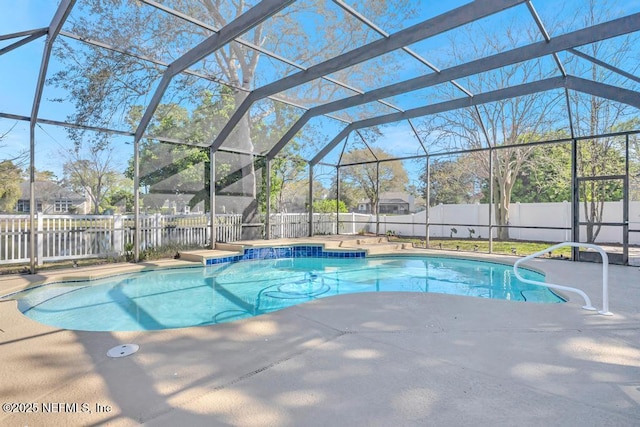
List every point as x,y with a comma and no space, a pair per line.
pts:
227,254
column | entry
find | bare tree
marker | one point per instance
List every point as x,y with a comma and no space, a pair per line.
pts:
11,175
503,124
596,116
20,158
389,176
91,172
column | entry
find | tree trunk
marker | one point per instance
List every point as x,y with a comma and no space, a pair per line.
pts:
242,140
501,208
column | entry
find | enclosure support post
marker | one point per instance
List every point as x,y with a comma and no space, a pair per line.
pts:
490,200
377,198
310,200
267,209
337,200
427,197
625,204
32,198
63,11
136,200
575,200
212,199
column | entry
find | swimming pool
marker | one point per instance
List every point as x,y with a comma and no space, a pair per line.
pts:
191,296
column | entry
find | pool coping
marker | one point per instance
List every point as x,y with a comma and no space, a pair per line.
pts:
411,359
11,285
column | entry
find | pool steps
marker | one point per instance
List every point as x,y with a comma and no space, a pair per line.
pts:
230,252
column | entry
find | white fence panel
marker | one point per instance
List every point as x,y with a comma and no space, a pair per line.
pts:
289,225
74,236
14,239
83,236
228,227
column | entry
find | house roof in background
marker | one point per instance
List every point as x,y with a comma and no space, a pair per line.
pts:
47,190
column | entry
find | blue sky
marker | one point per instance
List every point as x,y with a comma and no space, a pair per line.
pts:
19,71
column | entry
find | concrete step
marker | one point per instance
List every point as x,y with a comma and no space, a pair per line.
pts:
202,255
382,248
364,241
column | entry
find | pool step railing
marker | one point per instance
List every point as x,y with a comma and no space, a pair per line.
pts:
605,275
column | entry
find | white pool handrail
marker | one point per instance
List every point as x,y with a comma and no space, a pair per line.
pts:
605,275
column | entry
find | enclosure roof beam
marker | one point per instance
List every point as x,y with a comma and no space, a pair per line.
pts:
569,112
174,141
245,22
189,72
590,87
364,141
603,90
429,28
23,33
588,35
415,132
408,50
615,28
289,134
34,35
252,46
344,147
63,11
604,65
331,145
482,98
545,35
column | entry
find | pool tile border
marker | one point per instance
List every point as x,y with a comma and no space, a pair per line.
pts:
279,252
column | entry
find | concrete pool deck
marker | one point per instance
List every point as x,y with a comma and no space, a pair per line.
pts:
385,359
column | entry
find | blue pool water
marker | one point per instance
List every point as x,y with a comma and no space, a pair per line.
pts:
182,297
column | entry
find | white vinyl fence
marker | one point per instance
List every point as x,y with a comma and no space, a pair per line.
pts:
62,237
471,221
289,225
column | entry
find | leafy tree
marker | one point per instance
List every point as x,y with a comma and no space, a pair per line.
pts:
105,84
392,176
180,169
19,159
329,206
10,178
546,176
595,116
599,157
120,197
350,193
91,172
452,182
286,169
45,176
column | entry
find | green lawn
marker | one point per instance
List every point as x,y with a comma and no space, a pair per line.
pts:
499,247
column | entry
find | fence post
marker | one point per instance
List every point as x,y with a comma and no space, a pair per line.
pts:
118,234
567,220
353,223
40,238
157,226
413,224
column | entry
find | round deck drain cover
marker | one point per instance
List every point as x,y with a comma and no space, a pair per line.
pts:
123,350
